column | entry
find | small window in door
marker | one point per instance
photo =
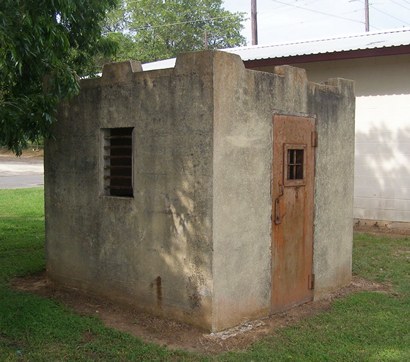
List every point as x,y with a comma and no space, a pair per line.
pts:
294,165
118,162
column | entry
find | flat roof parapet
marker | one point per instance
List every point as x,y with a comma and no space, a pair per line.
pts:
120,72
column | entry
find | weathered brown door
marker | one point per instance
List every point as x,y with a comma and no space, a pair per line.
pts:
292,210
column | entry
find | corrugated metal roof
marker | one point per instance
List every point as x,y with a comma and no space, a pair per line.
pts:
371,40
362,41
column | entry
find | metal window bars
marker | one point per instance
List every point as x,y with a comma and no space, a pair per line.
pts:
118,162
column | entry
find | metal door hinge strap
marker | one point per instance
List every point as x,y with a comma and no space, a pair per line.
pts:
314,139
311,281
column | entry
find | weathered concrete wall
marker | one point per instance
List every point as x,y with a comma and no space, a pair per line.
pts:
244,105
194,243
152,250
334,106
242,202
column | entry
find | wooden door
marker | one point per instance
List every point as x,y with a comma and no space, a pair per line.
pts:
292,210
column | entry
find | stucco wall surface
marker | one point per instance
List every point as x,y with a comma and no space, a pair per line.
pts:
154,249
194,243
245,102
334,106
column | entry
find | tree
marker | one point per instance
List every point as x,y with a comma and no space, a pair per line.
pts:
45,46
160,29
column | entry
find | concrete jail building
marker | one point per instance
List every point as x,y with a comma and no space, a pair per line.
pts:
206,193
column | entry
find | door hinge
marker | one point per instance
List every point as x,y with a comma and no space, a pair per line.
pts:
314,139
311,281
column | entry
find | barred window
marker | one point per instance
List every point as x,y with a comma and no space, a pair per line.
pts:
118,162
295,164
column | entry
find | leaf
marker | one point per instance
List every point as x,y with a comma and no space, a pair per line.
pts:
162,29
40,56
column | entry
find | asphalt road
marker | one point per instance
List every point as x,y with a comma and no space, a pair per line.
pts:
21,172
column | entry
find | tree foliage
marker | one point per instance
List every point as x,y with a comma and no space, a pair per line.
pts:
45,44
160,29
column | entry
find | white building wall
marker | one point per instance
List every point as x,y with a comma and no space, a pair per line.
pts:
382,159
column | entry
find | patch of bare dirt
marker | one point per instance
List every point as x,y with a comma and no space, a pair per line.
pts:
380,229
174,334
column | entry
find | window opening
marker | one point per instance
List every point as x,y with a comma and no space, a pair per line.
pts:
295,164
118,162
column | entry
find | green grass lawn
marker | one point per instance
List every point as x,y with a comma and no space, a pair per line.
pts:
366,326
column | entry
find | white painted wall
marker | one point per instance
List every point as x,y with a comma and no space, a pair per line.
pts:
382,160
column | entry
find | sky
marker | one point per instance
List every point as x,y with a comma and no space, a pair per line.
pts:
292,20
